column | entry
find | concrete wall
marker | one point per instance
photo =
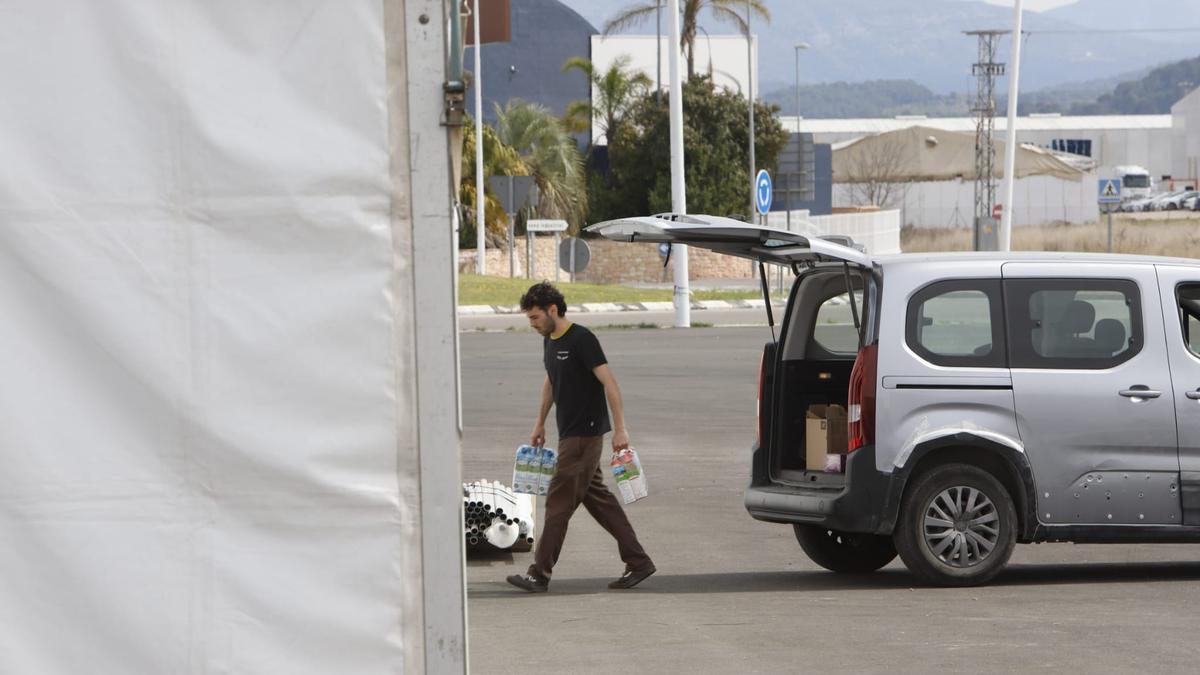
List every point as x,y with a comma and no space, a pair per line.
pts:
1040,200
612,263
615,262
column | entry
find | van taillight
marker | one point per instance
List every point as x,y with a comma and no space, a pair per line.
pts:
860,405
762,364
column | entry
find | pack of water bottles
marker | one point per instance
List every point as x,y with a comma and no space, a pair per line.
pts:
631,480
533,469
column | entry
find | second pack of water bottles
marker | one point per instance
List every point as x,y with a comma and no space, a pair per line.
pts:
533,469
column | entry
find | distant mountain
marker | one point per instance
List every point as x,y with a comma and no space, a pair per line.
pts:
1143,14
923,40
1146,91
1153,94
876,98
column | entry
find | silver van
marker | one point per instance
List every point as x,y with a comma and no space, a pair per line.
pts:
991,399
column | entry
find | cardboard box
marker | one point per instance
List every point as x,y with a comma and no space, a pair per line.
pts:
824,434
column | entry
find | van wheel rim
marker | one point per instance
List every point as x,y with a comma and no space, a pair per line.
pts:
961,526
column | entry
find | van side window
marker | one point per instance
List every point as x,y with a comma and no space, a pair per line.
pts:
834,329
1188,297
1073,323
958,323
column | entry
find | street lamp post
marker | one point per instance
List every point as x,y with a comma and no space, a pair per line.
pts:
480,222
750,98
799,46
658,51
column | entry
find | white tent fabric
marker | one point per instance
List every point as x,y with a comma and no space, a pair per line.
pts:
919,153
199,419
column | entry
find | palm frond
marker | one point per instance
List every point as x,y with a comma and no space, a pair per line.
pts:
726,15
629,17
582,64
739,6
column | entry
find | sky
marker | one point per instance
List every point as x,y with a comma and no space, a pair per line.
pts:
1033,5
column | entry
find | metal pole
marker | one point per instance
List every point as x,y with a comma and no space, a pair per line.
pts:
1010,141
512,225
750,98
528,254
427,455
682,297
787,184
557,267
658,51
798,48
480,223
1108,208
573,240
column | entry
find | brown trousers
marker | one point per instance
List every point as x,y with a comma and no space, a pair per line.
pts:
579,480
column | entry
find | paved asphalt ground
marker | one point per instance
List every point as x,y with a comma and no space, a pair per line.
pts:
733,595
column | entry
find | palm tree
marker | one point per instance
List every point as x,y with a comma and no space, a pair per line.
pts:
722,10
549,153
616,90
498,160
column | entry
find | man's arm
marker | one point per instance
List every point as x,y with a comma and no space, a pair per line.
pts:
612,392
538,438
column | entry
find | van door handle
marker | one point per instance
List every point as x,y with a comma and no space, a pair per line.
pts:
1194,395
1140,391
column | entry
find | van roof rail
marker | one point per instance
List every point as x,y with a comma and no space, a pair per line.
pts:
843,240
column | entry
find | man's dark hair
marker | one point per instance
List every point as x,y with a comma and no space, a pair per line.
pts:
542,295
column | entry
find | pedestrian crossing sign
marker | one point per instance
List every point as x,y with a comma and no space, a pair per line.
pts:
1110,191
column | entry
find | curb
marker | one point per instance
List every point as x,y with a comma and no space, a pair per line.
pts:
601,307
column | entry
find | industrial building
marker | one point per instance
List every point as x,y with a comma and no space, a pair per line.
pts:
1108,140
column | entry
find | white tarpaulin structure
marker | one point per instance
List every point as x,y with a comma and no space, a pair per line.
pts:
919,154
206,424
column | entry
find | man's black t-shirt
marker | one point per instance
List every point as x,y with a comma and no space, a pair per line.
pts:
580,406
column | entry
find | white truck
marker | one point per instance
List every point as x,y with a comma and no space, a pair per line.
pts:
1135,182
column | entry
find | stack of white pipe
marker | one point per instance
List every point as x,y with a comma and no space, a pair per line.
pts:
495,515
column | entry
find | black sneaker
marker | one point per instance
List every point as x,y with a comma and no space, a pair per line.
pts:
632,578
528,582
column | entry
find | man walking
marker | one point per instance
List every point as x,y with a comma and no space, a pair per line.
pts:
578,381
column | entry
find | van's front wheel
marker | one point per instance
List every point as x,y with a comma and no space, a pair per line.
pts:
957,526
845,552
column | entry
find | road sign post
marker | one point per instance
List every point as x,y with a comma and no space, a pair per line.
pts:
532,227
1108,194
762,192
514,194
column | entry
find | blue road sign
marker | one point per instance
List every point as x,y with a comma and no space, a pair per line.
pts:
1110,191
762,191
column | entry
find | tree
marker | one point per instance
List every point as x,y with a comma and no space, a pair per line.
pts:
722,10
616,89
716,153
549,154
877,178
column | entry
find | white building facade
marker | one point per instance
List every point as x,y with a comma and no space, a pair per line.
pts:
1185,139
723,57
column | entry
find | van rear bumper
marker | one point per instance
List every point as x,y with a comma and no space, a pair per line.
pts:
857,506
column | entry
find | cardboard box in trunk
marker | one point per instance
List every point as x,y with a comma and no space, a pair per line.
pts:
824,435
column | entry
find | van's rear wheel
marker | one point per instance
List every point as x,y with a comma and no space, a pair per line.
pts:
957,526
845,552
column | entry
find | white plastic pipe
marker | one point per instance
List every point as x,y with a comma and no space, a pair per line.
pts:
501,535
1010,136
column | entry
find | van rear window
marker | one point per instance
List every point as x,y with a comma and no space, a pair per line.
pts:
957,323
834,328
1073,323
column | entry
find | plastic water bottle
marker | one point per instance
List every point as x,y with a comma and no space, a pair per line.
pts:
523,476
548,465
